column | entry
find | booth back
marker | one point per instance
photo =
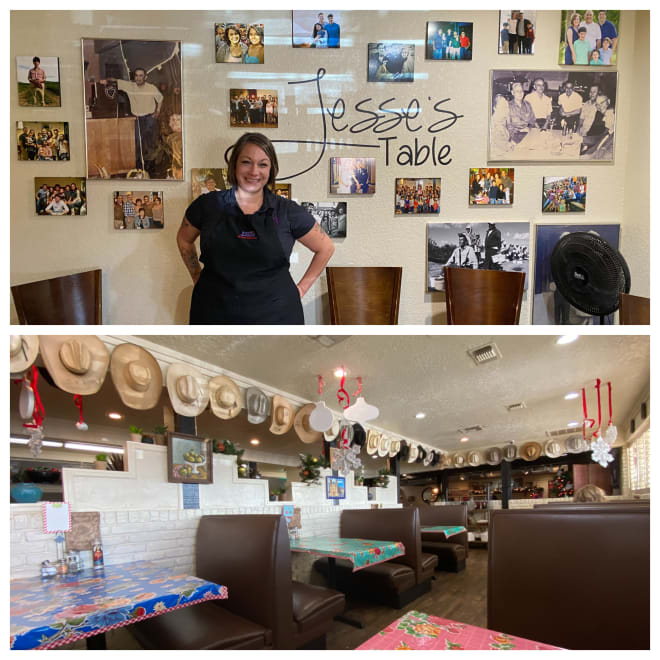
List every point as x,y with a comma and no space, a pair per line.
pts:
573,577
451,514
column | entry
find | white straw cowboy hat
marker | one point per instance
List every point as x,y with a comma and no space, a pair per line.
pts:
553,448
458,460
474,458
333,431
413,454
136,376
258,405
281,417
23,351
384,445
493,456
576,445
428,459
530,451
302,426
510,453
188,389
373,438
225,397
77,363
395,448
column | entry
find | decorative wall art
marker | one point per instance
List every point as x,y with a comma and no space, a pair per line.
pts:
335,488
330,215
38,80
564,194
189,459
138,210
482,245
316,29
417,196
239,42
589,37
550,307
491,185
283,190
42,140
60,195
254,108
448,40
391,62
552,115
206,179
133,109
352,176
517,32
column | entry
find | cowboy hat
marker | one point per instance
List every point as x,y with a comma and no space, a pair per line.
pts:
458,460
23,351
330,434
321,417
446,461
395,448
437,457
372,442
429,458
404,451
136,376
384,445
258,405
281,417
510,452
77,363
474,458
188,389
225,396
413,454
553,448
359,436
576,445
530,451
493,456
421,454
302,426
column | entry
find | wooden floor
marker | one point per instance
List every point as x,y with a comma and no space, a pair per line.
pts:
458,596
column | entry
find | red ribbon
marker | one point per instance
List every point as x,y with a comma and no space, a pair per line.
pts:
38,413
321,384
342,394
586,419
77,400
359,389
597,386
609,394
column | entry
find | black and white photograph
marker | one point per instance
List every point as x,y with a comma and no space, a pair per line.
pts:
316,28
564,194
477,245
239,43
448,40
491,185
352,176
138,209
43,140
417,196
550,305
391,62
517,32
552,115
330,215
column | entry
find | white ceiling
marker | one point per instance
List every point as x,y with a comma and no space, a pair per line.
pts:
402,375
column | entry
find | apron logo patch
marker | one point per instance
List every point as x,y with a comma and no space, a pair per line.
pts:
247,235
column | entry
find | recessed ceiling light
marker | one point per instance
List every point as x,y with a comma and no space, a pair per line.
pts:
567,339
420,415
571,395
464,438
254,441
571,424
114,415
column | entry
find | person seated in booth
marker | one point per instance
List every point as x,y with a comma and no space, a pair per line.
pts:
590,493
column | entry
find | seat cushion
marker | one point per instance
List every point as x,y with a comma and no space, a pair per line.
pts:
429,562
389,576
450,556
314,606
204,626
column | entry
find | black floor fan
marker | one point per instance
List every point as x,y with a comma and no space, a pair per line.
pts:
589,273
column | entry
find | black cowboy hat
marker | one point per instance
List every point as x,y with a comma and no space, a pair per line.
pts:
421,455
359,436
404,451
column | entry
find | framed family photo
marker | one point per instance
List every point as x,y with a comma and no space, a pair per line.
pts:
253,107
560,115
448,40
517,32
389,61
315,28
491,185
330,215
189,459
43,140
589,37
564,194
133,109
66,195
239,43
283,190
417,196
38,80
352,176
207,179
138,209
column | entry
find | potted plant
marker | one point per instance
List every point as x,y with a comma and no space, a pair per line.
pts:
276,492
383,479
159,434
101,462
136,433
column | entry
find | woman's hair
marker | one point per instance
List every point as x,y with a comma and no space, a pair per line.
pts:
574,16
589,493
259,31
264,144
233,27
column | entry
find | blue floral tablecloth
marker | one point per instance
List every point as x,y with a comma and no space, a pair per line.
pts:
361,552
45,613
447,530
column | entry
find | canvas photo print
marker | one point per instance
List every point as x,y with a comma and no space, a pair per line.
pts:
316,28
133,121
283,190
38,79
448,40
390,61
561,115
60,195
239,43
491,185
564,194
42,140
352,176
589,37
517,32
253,107
207,179
330,215
138,209
476,245
417,196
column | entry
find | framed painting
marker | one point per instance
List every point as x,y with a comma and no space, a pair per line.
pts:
335,488
189,459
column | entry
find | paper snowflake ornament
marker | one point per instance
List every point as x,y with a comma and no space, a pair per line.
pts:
346,460
34,443
600,452
610,434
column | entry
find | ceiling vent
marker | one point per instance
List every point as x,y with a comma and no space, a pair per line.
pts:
560,433
329,340
470,429
486,353
516,406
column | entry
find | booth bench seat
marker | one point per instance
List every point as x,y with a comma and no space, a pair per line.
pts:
452,552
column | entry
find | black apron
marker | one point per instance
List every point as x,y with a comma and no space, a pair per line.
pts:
245,279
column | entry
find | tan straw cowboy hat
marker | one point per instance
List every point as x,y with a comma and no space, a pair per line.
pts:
23,351
225,397
136,376
530,451
302,426
281,416
188,389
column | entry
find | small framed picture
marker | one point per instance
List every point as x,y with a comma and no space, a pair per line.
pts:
335,488
253,107
564,194
42,140
491,185
138,209
60,195
448,40
391,62
517,32
352,176
38,81
239,42
189,459
313,28
283,190
589,37
417,196
330,215
208,179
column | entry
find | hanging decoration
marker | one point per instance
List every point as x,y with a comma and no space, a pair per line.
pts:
345,459
35,426
81,425
611,432
600,447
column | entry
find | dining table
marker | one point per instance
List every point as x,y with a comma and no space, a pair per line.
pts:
48,612
420,631
445,530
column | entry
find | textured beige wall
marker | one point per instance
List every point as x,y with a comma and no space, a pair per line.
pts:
144,281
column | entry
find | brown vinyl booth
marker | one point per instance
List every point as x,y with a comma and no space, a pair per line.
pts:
250,555
395,582
451,552
588,505
573,577
634,310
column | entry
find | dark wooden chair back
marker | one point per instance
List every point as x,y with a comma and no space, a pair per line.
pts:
634,310
66,300
364,295
483,297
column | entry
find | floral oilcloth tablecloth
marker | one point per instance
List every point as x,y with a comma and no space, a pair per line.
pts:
361,552
419,631
46,613
447,530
